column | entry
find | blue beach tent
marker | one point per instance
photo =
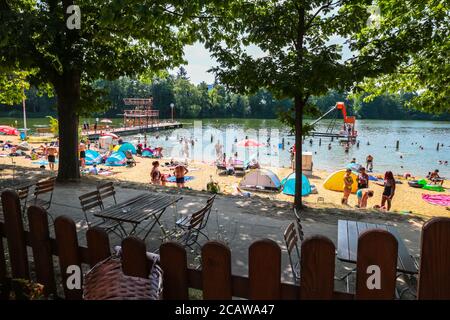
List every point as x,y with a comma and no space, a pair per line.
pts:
124,147
116,159
93,157
288,184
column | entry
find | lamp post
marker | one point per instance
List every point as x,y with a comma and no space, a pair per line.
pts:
24,113
172,105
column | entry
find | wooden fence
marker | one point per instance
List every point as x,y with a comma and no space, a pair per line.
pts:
215,279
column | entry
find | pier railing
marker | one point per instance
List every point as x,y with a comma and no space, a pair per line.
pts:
215,278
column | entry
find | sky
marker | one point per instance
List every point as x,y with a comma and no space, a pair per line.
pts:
199,60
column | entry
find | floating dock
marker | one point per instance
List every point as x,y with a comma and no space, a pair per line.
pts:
127,131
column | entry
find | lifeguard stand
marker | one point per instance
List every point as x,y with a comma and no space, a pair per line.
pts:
142,115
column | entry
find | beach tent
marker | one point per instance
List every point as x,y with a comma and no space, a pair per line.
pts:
335,181
288,184
124,147
260,179
116,159
93,157
147,153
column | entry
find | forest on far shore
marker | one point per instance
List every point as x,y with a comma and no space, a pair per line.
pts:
215,101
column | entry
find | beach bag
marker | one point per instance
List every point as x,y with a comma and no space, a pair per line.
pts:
106,281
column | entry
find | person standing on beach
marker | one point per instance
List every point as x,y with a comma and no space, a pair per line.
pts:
369,163
389,190
82,150
180,172
348,183
363,195
51,157
155,173
363,179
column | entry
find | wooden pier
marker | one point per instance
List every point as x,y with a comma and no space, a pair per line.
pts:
132,130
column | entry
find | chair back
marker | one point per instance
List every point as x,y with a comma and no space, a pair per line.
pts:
106,190
89,201
291,238
23,193
44,186
199,219
298,221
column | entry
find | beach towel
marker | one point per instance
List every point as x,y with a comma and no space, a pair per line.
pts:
437,199
173,179
42,162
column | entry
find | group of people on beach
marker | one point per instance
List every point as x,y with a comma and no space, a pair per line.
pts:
363,192
179,171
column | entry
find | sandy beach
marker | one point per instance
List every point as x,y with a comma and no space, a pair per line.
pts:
407,200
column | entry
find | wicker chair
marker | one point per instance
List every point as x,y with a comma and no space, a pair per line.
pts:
107,281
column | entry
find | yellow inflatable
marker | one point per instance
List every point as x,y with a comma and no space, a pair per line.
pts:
335,181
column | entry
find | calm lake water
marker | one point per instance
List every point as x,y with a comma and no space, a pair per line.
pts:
380,134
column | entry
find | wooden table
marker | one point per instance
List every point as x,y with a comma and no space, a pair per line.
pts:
348,233
139,209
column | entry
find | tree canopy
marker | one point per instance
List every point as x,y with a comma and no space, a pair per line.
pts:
115,38
420,32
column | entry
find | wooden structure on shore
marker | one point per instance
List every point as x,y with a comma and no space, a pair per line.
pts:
215,277
141,115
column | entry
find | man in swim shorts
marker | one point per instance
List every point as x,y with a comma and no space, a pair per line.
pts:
180,172
51,157
82,149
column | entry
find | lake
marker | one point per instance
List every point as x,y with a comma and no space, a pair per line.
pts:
380,134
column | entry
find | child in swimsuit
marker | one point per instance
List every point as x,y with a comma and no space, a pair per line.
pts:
363,195
348,183
389,189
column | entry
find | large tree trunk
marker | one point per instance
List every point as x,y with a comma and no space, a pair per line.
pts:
68,96
299,105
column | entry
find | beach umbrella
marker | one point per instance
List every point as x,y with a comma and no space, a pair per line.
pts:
249,143
106,121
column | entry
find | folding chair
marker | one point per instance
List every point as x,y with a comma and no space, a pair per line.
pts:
106,190
291,238
42,188
90,201
239,171
221,169
193,225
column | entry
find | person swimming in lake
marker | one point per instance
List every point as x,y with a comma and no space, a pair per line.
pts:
348,183
363,195
389,190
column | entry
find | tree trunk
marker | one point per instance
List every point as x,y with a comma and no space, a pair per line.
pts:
68,96
299,104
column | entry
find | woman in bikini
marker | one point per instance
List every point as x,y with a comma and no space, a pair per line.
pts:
389,190
348,183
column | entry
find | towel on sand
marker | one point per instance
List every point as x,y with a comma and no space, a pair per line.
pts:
173,179
438,199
